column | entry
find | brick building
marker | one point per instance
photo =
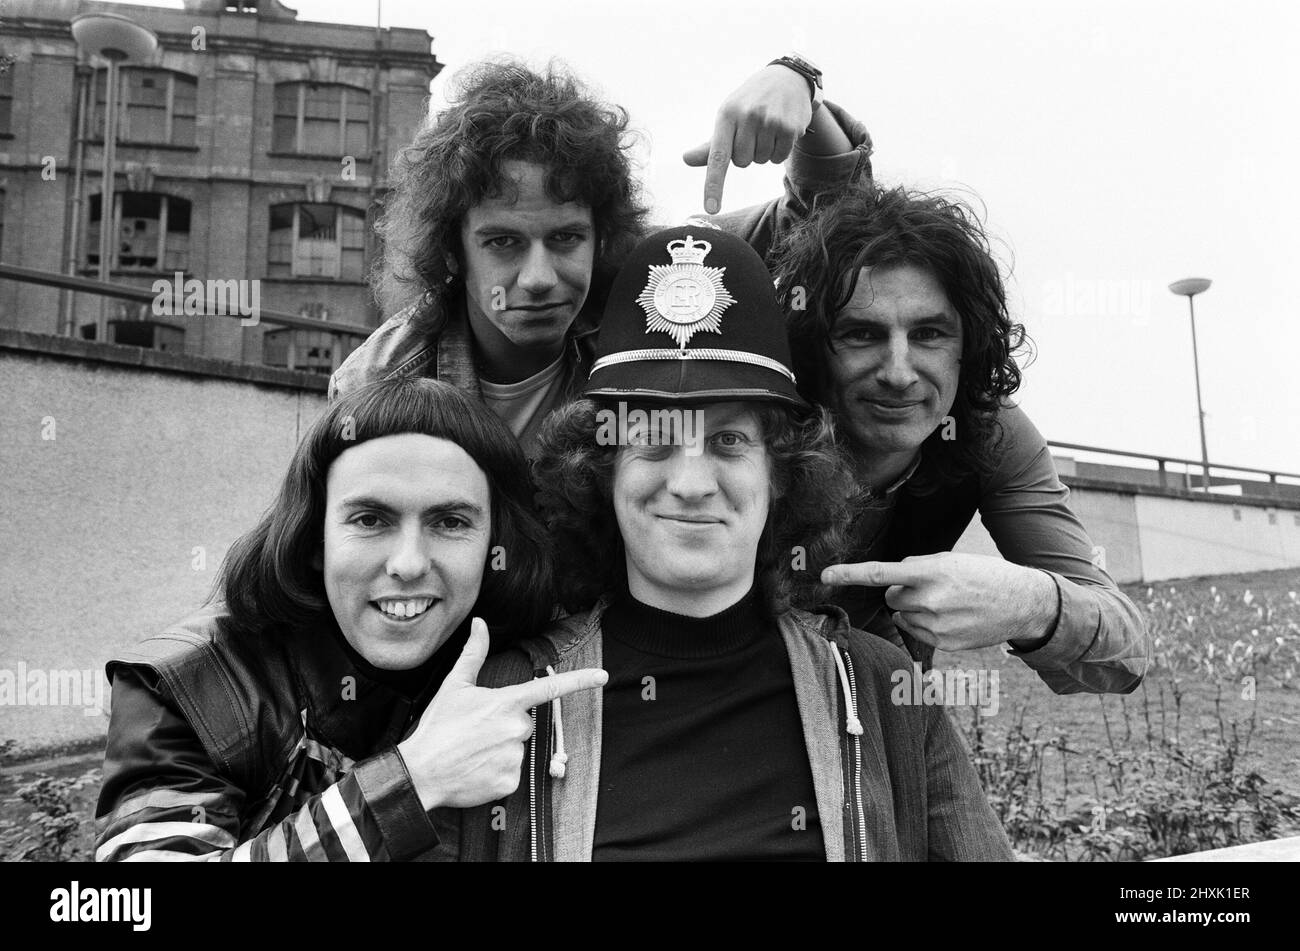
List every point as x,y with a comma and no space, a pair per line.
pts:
250,147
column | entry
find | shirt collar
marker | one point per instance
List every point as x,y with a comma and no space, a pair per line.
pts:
889,491
898,483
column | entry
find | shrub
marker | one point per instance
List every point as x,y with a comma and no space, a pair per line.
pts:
50,831
1174,796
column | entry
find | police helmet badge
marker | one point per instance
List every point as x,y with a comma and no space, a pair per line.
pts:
691,320
686,297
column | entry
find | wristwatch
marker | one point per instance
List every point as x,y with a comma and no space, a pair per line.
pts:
808,71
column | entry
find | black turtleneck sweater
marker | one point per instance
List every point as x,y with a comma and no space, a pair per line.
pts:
702,750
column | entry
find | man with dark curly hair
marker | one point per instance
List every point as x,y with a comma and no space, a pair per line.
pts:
899,321
510,214
694,495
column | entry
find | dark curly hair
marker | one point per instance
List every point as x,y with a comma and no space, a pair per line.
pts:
501,111
818,264
267,577
812,498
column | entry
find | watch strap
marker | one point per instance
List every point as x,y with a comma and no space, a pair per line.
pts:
811,74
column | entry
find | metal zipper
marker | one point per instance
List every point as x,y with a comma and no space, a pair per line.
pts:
857,765
532,787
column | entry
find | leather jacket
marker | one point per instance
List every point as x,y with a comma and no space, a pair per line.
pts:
225,745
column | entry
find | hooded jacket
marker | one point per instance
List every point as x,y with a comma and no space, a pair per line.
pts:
893,782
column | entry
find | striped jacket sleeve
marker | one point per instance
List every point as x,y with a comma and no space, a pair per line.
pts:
164,800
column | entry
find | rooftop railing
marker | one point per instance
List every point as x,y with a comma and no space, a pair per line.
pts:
210,306
1270,484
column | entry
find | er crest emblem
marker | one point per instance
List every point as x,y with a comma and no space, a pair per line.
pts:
685,297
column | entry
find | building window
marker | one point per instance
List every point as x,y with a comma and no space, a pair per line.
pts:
156,106
133,325
311,351
1236,514
6,99
314,240
321,119
153,232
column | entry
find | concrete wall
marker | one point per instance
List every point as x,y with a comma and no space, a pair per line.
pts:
1111,521
1183,538
1148,537
123,487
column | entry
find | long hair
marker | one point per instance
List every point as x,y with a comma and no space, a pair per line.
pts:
812,490
267,577
500,111
817,266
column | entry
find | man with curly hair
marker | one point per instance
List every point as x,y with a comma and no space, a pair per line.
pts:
693,496
510,214
899,321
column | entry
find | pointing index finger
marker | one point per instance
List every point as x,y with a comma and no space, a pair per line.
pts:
545,689
724,132
875,574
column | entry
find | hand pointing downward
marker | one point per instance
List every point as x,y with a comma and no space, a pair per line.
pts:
759,122
469,745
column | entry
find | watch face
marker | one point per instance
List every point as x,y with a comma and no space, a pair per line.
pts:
805,66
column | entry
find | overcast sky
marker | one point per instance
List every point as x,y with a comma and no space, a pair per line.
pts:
1116,147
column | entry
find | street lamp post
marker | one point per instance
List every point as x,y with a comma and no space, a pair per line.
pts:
118,40
1189,287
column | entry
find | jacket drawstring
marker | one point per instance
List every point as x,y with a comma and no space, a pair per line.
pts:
558,756
851,722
